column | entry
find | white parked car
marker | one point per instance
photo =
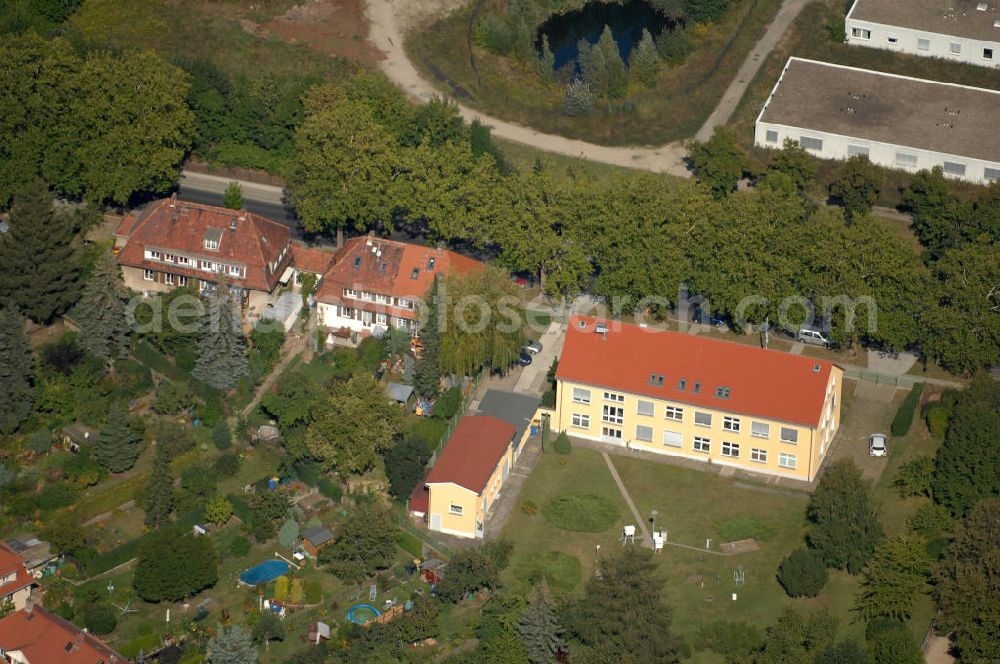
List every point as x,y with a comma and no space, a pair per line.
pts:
876,445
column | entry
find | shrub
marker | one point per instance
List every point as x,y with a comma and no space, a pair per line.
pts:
937,416
227,465
99,619
890,642
329,488
69,571
740,528
915,477
803,573
549,398
171,398
562,444
931,521
40,442
674,46
222,437
735,641
904,416
580,100
448,404
55,496
239,547
581,512
529,507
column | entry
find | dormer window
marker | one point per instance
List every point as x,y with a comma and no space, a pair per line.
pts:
213,236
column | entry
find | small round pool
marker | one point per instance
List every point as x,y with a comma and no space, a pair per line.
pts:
362,613
269,570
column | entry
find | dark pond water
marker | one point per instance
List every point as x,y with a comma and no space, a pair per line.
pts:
626,19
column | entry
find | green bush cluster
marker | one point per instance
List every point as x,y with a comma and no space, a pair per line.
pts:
904,416
562,444
803,573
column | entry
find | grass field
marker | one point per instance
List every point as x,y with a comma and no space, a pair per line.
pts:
694,506
675,109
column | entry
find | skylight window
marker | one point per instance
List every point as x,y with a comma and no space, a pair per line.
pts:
357,262
415,273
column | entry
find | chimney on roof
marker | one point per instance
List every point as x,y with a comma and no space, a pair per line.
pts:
173,199
29,603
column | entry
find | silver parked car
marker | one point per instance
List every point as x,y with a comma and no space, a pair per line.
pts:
533,347
876,445
809,335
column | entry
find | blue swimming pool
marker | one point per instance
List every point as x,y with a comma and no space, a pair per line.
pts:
264,572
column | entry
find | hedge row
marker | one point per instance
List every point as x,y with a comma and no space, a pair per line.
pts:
121,554
904,416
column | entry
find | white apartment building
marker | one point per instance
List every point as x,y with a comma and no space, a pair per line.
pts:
961,30
836,112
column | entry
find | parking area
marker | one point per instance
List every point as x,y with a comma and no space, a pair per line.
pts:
867,408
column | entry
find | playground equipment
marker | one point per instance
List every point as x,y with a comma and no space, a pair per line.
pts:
352,613
628,535
740,576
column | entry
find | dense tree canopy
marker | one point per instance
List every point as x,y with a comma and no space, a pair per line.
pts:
967,466
173,565
968,583
845,526
102,126
17,372
357,423
38,259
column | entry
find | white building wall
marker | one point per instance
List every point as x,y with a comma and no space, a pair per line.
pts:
836,146
918,42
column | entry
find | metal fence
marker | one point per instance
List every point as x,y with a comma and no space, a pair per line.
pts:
881,378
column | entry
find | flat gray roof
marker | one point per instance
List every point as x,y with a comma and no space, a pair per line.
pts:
941,117
513,408
960,18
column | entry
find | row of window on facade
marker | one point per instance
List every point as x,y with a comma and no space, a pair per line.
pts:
923,43
700,444
369,318
193,263
616,415
400,302
902,159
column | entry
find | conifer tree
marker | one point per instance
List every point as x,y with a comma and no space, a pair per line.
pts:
645,61
102,313
117,445
17,372
159,492
233,198
38,263
615,74
232,645
845,526
540,630
427,377
546,60
222,350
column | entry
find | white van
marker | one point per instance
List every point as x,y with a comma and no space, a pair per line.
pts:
810,336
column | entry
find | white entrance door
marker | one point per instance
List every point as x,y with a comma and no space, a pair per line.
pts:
436,522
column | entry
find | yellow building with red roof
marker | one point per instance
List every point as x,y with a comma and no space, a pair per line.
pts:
677,394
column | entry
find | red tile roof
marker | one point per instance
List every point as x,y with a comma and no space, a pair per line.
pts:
763,383
419,498
13,563
174,226
398,269
45,638
307,259
472,453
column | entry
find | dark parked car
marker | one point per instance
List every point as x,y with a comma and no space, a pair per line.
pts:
703,318
524,359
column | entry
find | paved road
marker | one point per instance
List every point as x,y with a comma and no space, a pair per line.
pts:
262,199
731,98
